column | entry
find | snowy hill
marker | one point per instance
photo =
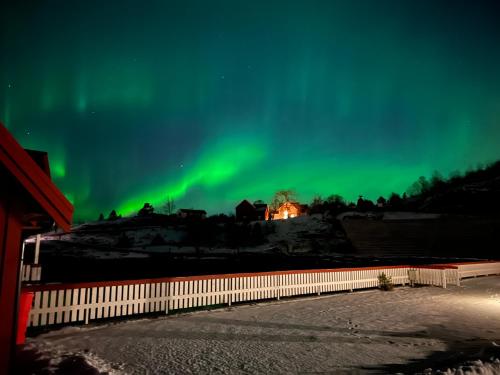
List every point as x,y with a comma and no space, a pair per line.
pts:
135,237
145,247
156,246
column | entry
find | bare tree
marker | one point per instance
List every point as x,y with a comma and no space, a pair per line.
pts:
282,196
169,206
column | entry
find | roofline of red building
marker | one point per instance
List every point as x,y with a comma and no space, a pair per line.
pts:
23,168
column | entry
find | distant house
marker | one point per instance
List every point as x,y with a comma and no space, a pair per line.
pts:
186,213
248,211
245,211
262,210
381,202
290,210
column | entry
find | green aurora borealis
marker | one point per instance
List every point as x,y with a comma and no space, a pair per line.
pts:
210,102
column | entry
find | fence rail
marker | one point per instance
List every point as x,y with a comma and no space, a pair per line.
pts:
84,302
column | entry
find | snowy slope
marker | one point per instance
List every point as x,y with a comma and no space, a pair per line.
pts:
104,240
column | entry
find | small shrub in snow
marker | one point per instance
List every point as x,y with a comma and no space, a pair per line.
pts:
385,282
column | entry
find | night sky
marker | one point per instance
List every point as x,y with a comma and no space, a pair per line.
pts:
211,102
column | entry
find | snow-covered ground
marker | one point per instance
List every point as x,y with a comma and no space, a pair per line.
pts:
407,330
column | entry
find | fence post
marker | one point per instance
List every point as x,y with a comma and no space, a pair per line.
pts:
443,277
279,284
87,302
412,275
167,292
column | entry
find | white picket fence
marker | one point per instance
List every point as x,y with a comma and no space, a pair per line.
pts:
55,304
435,275
84,302
474,269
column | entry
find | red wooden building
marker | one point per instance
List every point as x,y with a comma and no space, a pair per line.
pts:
29,203
246,211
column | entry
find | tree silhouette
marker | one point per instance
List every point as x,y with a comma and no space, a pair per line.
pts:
437,183
336,200
112,215
146,210
395,201
169,207
317,205
359,203
420,186
364,204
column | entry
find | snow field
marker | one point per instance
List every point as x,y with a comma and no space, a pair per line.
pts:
362,332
